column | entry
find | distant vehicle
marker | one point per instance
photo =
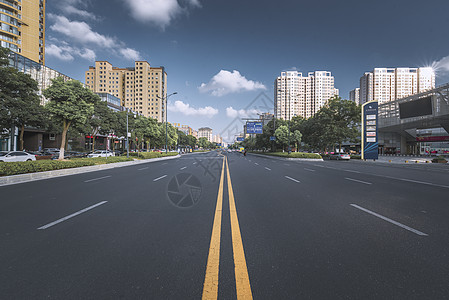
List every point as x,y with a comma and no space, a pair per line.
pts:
14,156
340,156
100,153
51,149
157,150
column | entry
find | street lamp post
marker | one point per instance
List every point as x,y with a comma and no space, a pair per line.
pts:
166,118
127,134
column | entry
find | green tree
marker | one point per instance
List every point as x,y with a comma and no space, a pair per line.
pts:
296,137
100,121
203,142
281,135
70,104
249,143
191,141
19,102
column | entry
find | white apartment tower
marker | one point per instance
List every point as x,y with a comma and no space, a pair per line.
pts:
354,95
388,84
205,132
296,95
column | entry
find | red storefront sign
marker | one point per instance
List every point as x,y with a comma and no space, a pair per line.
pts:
432,138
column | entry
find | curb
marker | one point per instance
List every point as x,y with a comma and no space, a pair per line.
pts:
287,158
22,178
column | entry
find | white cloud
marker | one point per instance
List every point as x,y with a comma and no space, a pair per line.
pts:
241,113
225,82
158,12
187,110
87,54
82,33
130,54
68,53
72,10
58,52
441,65
77,8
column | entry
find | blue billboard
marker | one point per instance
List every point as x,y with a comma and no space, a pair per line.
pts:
254,127
370,142
240,139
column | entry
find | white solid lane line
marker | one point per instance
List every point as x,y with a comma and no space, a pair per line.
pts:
390,220
71,216
414,181
268,169
359,181
142,169
183,168
309,170
97,178
293,179
352,171
159,178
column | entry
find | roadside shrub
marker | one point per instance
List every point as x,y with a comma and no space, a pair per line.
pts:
15,168
439,159
149,155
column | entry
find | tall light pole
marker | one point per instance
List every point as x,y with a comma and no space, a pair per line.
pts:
166,117
127,134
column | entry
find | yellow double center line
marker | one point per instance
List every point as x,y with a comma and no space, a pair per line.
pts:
243,287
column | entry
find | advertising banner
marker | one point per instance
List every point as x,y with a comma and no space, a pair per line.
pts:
370,143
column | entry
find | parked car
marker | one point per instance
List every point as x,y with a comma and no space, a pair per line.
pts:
13,156
100,153
340,156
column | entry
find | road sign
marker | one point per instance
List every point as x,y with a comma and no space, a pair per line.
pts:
240,139
370,142
254,127
272,138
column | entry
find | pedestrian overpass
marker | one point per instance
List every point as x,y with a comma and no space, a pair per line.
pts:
405,124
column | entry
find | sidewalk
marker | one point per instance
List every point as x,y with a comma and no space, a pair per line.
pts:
21,178
285,158
404,160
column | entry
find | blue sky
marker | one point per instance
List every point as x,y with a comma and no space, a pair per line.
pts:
221,55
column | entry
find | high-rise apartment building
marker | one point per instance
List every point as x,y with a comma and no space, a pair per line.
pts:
217,139
140,88
205,132
388,84
22,27
354,95
296,95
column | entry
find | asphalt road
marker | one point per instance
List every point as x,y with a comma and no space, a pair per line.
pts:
267,229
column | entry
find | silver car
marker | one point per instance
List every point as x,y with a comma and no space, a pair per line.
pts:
14,156
100,153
